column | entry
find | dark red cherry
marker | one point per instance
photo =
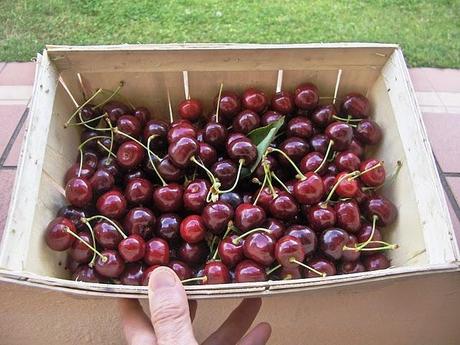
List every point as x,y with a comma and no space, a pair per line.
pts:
355,105
78,192
110,165
105,145
169,171
347,267
321,217
182,270
290,273
306,96
323,115
284,206
374,177
140,221
381,207
190,109
132,248
276,228
90,159
181,129
332,241
319,143
246,121
87,274
132,274
265,197
75,215
347,161
225,171
128,124
57,235
348,215
130,154
283,102
368,132
112,204
207,154
107,235
321,265
182,150
87,113
192,229
270,117
229,105
249,216
111,266
272,164
351,255
233,136
115,109
195,195
296,148
229,252
375,262
260,248
242,149
159,131
89,134
364,234
102,181
86,172
357,148
168,198
232,198
139,191
193,253
215,134
289,248
299,126
147,272
249,271
216,216
305,235
309,190
216,273
167,226
341,134
347,187
156,252
134,174
254,100
142,114
311,162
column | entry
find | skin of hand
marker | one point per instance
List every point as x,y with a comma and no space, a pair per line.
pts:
171,317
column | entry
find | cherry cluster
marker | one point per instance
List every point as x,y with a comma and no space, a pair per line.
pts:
257,190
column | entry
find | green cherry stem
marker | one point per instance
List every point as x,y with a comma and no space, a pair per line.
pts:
101,145
80,149
81,107
117,131
347,120
280,182
389,180
300,174
331,193
201,165
260,190
154,167
85,123
374,222
218,102
107,120
91,231
95,251
203,279
120,85
236,240
293,260
269,181
273,269
98,216
240,167
331,142
359,173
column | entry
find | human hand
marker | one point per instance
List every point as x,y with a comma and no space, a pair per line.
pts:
171,317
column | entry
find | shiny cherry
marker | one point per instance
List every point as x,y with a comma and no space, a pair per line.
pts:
232,198
216,272
363,236
158,130
347,267
322,265
243,150
181,129
305,235
249,271
270,117
87,274
351,255
347,161
231,253
90,159
246,121
322,116
347,187
192,229
225,171
289,248
142,114
167,226
86,172
130,154
215,134
283,102
139,191
114,110
321,217
168,198
284,206
355,105
381,207
249,216
57,235
216,216
319,143
102,181
341,134
111,266
181,151
182,270
193,253
132,274
106,234
254,100
375,262
299,126
309,190
156,252
368,132
348,215
195,195
296,148
190,109
169,171
75,215
132,248
306,96
140,221
207,154
332,241
276,228
311,162
78,192
260,248
229,105
265,197
110,165
128,124
112,204
374,177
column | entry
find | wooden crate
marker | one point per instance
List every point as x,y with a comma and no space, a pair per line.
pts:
423,229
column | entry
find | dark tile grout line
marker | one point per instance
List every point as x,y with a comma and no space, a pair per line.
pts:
452,174
450,195
13,137
8,167
1,70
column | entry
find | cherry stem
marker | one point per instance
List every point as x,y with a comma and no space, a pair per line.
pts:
301,176
269,181
81,107
211,176
218,102
203,279
120,85
388,246
106,149
371,236
347,120
236,240
85,123
117,131
163,182
331,193
95,251
260,190
388,180
331,142
240,167
171,117
293,260
98,216
215,251
280,182
230,228
359,173
80,148
273,269
111,137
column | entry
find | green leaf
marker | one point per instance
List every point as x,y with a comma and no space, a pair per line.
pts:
262,137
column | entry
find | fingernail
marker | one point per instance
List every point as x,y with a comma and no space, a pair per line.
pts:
162,278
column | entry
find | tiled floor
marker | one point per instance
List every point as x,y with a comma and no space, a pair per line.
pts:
438,93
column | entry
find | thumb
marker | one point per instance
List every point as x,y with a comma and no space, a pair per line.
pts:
169,308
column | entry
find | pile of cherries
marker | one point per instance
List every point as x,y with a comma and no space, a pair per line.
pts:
219,198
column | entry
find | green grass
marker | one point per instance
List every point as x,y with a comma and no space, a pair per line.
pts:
428,31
